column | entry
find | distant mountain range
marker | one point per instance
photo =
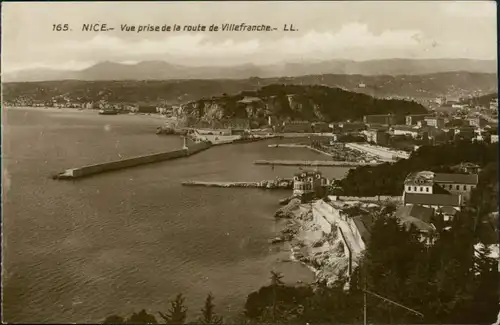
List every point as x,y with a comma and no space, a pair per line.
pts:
160,70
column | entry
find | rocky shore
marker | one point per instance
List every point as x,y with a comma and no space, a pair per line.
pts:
322,253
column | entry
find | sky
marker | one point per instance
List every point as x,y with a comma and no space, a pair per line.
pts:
325,30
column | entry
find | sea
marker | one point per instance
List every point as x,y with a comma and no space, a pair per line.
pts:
115,243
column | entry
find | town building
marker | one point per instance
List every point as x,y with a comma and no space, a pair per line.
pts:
467,168
494,104
404,130
466,133
478,122
494,138
308,182
352,127
438,190
461,184
437,122
321,127
414,119
297,127
378,136
435,201
385,119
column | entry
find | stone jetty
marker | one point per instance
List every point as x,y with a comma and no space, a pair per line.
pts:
266,184
314,163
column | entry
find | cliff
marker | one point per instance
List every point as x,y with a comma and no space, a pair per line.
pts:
290,102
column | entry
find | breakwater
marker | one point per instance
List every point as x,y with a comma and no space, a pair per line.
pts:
267,184
314,163
131,162
297,145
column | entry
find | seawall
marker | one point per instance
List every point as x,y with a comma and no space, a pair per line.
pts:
131,162
266,184
313,163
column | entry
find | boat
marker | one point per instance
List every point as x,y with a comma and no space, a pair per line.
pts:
108,112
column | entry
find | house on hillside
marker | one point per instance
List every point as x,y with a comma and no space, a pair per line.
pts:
440,191
427,182
420,217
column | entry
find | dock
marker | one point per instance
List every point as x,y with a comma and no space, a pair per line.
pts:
270,184
315,163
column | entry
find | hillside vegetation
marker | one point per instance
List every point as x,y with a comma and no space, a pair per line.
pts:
182,91
294,102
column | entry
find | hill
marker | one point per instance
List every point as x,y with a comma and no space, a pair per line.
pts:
182,91
293,102
160,70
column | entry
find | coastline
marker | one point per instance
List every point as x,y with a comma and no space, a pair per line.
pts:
308,245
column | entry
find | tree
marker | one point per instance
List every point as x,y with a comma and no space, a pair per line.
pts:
276,282
142,318
208,314
177,312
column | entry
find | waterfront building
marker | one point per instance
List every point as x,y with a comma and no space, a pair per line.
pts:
308,182
321,127
494,138
297,127
414,119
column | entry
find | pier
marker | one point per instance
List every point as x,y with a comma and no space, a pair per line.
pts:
89,170
270,184
296,145
315,163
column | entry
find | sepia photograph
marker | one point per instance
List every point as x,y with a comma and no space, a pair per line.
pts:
250,162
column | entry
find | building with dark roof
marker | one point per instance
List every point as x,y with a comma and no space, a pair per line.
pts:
427,182
462,184
434,201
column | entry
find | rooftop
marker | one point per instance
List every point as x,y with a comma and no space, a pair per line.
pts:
451,200
404,128
421,178
415,211
471,179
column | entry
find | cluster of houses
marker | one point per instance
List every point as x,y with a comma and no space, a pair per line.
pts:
431,129
427,198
